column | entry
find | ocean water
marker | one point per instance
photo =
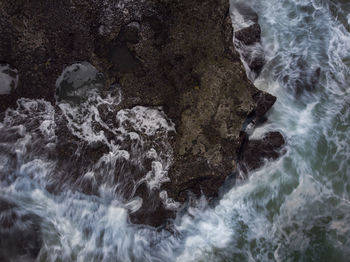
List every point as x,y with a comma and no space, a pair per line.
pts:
294,209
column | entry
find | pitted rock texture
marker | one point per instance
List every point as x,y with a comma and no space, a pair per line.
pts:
174,54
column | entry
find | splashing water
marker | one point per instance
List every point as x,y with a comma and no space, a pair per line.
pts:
294,209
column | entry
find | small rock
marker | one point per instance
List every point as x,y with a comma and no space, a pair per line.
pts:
254,152
249,35
264,102
8,79
76,81
248,42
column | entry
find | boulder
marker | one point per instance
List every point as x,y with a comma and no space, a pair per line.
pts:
249,35
255,152
264,102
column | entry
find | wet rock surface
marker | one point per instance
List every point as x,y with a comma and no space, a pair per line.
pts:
177,55
255,152
248,39
249,35
264,102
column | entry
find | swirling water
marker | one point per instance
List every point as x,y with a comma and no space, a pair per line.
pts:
294,209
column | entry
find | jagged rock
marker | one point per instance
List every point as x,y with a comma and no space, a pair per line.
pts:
157,54
255,152
248,40
249,35
264,103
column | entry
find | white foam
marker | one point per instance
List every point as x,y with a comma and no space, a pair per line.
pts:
140,124
152,153
134,204
238,20
206,231
157,176
148,121
47,127
168,202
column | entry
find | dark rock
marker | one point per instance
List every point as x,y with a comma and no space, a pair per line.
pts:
255,152
249,35
247,12
264,103
132,33
40,37
256,63
248,42
75,82
153,213
158,56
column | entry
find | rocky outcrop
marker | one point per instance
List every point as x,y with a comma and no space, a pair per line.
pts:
175,54
248,39
255,152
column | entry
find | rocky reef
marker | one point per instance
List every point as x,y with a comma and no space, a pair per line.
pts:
176,54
